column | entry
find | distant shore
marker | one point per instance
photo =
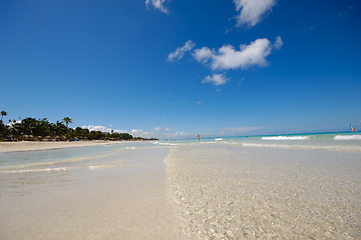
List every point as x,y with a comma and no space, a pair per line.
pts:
33,146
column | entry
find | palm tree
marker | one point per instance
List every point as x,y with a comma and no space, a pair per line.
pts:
3,113
67,120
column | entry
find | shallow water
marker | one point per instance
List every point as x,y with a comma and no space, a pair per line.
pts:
266,187
226,191
119,195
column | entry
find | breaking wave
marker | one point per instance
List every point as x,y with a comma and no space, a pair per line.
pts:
37,170
302,146
166,144
286,138
348,137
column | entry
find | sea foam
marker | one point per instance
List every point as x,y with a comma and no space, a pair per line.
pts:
37,170
348,137
286,138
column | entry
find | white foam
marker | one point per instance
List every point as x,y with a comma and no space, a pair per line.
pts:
302,146
286,138
348,137
168,144
105,166
37,170
218,139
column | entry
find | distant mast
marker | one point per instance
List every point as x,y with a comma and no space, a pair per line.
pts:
352,128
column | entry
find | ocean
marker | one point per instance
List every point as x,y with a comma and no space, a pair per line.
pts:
305,186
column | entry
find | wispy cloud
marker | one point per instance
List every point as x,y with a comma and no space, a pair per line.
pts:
157,4
160,135
103,129
252,11
278,43
345,14
228,58
199,102
167,128
216,79
157,128
305,27
180,51
240,82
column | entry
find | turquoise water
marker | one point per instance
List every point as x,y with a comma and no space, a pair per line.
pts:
340,141
300,186
305,186
57,157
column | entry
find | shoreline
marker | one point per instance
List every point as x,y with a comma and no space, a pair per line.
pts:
98,196
36,146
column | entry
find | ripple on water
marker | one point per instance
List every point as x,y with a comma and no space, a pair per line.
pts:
230,192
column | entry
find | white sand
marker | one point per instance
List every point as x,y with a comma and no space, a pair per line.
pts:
30,146
116,196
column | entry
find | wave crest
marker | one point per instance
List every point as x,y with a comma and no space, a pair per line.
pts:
347,137
37,170
286,138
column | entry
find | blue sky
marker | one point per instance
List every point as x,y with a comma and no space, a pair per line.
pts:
173,69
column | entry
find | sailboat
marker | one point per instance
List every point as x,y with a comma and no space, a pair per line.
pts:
352,128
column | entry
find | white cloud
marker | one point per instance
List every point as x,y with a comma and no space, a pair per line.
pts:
180,51
102,129
179,134
134,131
278,43
168,128
160,135
216,79
199,102
228,58
157,4
252,11
157,128
203,54
11,124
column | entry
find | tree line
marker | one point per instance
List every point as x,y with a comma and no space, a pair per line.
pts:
31,129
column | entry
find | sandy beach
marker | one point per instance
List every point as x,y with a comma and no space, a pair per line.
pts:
236,188
33,146
111,192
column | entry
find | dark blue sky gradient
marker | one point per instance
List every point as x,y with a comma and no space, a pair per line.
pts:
105,63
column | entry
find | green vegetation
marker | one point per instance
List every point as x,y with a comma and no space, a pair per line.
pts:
31,129
3,113
67,120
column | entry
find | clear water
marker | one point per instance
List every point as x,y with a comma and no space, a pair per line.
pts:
267,187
